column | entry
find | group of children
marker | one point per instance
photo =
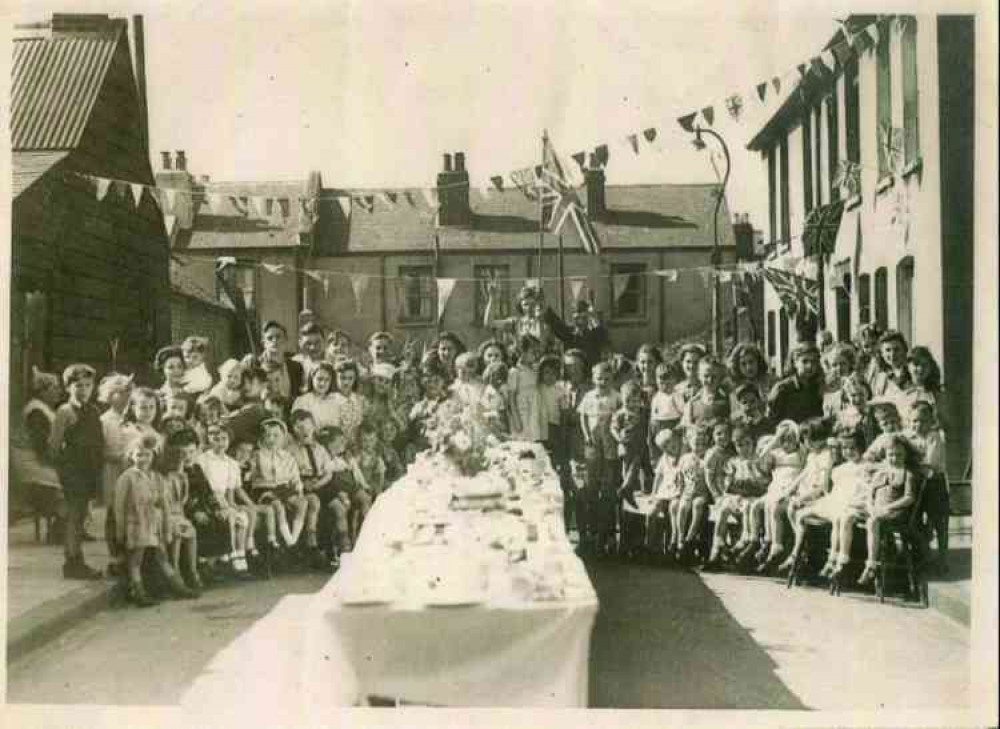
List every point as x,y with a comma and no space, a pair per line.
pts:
278,458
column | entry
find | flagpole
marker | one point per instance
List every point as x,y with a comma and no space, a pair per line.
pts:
562,281
541,226
437,275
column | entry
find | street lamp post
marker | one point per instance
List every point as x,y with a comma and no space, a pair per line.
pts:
716,253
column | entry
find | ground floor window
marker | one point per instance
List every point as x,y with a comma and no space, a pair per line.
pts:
628,290
416,292
864,298
882,298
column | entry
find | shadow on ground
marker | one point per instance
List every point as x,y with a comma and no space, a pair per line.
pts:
664,640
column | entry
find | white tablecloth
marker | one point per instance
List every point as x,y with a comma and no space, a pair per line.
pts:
508,650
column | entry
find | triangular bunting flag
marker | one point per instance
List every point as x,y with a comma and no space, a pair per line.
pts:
370,203
580,158
326,285
431,197
874,33
706,276
103,185
842,52
687,121
410,199
708,114
359,283
222,261
276,268
284,207
385,199
734,105
136,193
667,273
391,196
345,205
619,284
314,275
170,198
762,91
576,288
238,204
776,83
633,140
802,70
829,59
169,221
649,134
444,288
214,202
497,181
725,276
602,154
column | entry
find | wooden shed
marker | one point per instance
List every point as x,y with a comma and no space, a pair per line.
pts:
90,273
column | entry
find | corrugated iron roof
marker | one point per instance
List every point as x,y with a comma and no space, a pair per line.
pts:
55,83
28,167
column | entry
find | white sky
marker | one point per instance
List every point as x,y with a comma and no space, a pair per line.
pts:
371,94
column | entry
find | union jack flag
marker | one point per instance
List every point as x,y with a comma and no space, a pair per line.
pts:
797,293
560,201
820,233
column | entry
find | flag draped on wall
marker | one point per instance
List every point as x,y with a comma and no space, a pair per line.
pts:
798,294
820,233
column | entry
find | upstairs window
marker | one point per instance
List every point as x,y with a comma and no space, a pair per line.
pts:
883,99
911,92
852,110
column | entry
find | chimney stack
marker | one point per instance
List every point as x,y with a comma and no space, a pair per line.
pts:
180,161
453,192
165,156
593,178
744,238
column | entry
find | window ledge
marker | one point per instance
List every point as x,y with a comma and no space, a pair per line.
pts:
414,323
884,184
631,321
852,202
914,167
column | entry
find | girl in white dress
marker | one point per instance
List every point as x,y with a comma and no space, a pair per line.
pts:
527,423
782,458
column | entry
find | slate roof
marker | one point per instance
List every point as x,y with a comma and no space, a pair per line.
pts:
181,283
239,224
55,82
638,217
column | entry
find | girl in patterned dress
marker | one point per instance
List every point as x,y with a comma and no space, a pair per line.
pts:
495,404
693,505
743,483
527,423
350,404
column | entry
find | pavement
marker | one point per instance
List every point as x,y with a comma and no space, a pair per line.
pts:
41,605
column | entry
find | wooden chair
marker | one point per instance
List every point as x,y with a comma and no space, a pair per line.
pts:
813,526
909,558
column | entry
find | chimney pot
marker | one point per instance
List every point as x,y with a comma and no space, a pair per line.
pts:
459,161
165,156
181,160
447,162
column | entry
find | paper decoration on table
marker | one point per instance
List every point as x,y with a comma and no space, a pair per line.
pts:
345,205
576,287
359,284
136,193
445,287
734,105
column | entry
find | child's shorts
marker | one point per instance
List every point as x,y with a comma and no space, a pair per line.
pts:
936,500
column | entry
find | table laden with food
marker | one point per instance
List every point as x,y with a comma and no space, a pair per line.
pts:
462,590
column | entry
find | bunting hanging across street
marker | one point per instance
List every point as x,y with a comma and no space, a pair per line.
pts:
559,193
576,288
103,185
345,206
136,193
667,274
619,284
